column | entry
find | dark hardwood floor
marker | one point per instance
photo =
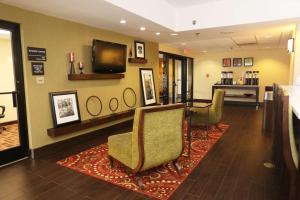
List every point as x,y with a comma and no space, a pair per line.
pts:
233,169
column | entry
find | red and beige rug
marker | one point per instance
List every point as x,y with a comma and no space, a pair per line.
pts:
160,182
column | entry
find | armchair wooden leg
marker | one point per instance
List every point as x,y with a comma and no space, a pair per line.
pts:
139,182
218,128
177,167
111,161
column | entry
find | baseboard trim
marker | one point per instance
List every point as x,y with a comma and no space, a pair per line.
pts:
40,153
202,100
9,123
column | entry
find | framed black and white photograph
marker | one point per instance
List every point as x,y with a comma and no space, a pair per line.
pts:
139,49
64,107
248,62
237,62
148,88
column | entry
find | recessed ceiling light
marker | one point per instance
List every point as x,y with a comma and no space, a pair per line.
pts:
123,21
204,51
183,43
174,34
143,28
158,33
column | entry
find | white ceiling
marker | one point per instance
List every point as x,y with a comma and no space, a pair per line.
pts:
185,3
106,14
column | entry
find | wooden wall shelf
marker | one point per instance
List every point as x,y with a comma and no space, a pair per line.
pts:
77,77
137,60
71,128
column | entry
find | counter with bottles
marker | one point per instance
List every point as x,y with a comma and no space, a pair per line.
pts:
240,94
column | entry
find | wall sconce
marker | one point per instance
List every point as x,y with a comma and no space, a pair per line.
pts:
290,45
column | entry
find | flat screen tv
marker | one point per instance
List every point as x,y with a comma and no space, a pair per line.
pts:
108,57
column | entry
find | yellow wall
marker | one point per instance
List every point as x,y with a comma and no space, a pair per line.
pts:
7,83
296,55
60,37
273,66
175,50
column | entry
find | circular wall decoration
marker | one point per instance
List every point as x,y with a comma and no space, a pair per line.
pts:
129,92
91,104
113,104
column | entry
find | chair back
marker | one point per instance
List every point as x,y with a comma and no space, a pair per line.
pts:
159,135
290,151
218,105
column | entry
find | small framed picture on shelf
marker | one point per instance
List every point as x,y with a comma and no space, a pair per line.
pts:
64,107
226,62
148,88
139,49
237,62
248,62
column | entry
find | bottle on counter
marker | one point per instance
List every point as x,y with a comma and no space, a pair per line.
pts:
230,77
222,77
250,78
246,78
225,78
256,77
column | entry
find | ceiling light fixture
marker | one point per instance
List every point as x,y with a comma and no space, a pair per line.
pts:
157,33
4,32
123,21
290,46
143,28
174,34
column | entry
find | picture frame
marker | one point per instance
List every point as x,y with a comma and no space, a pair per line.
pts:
248,62
148,87
64,108
226,62
237,62
139,48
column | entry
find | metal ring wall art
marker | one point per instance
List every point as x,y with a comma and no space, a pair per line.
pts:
110,104
87,107
129,89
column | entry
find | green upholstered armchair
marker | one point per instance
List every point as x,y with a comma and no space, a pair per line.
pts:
156,138
199,115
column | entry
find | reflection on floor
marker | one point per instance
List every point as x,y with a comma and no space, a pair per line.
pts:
9,138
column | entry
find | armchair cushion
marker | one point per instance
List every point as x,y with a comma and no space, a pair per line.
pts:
120,148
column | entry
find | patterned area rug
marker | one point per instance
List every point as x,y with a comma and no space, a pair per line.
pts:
160,182
9,138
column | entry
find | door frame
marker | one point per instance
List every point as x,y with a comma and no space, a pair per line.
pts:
16,153
184,63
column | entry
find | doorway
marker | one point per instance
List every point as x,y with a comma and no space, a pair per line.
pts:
13,120
176,78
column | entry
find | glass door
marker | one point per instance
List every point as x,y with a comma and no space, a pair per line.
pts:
177,81
176,78
13,123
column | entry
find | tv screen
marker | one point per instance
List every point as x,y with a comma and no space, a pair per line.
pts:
109,57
